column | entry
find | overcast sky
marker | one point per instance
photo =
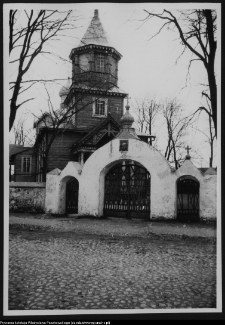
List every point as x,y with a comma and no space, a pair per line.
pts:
148,66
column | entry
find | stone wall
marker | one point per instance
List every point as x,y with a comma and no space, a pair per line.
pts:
27,197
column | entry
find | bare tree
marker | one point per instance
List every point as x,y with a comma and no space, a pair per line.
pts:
210,135
176,126
196,29
147,110
22,135
29,32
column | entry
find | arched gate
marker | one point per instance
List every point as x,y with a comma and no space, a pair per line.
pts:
127,191
72,191
188,198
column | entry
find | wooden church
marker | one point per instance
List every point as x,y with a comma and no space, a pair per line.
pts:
91,105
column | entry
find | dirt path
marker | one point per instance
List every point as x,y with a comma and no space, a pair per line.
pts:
114,226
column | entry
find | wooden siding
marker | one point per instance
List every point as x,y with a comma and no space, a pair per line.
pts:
19,176
59,154
84,118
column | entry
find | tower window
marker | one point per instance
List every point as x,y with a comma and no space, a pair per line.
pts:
100,63
100,107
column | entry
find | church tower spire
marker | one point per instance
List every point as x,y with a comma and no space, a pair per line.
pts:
95,60
95,33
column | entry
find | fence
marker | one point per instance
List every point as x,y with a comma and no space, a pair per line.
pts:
27,197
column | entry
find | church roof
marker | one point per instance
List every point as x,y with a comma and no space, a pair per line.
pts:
65,89
94,136
95,33
115,90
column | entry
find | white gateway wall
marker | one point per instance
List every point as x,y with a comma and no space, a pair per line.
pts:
91,178
208,189
163,193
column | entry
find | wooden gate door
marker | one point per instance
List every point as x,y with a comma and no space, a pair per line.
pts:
127,191
188,198
72,190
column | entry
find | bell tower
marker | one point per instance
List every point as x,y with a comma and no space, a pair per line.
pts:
95,73
95,60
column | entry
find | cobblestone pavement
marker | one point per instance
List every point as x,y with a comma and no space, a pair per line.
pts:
75,270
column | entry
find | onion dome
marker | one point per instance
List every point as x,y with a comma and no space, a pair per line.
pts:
65,89
127,119
127,132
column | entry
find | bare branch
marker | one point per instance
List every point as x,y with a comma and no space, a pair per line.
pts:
38,30
24,102
206,95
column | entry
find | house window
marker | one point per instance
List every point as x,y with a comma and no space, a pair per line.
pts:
26,164
100,63
100,107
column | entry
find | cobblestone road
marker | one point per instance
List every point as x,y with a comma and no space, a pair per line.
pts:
68,270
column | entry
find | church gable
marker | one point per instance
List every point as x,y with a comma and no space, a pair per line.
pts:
107,127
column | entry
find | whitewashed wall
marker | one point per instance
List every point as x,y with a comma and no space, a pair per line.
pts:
208,189
91,178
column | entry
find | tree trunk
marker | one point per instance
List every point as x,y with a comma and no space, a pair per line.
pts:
210,66
12,115
213,95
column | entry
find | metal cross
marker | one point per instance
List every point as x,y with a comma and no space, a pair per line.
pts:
128,100
187,148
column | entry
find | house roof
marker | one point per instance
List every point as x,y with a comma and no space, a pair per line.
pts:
208,170
15,149
95,34
203,169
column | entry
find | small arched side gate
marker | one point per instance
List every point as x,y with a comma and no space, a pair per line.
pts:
127,191
72,191
188,198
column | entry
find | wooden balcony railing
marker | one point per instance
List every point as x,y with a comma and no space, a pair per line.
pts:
95,78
